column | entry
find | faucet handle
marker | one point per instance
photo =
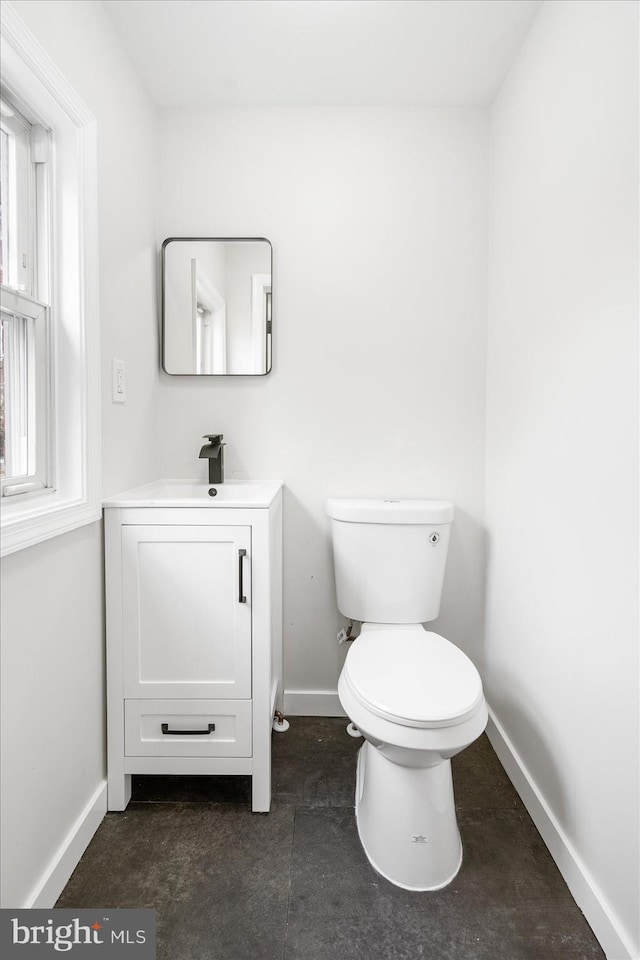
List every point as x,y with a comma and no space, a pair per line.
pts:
213,448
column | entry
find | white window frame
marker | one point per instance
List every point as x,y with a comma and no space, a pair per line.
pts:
30,77
18,197
208,322
25,295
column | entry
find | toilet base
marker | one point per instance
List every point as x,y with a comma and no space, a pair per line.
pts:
407,821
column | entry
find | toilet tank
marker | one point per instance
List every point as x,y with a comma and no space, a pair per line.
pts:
389,558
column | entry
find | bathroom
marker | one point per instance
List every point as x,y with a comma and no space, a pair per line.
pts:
454,316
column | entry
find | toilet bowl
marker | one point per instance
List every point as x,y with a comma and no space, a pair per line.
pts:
416,710
416,698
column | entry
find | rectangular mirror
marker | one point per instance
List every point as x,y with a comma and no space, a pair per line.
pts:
216,306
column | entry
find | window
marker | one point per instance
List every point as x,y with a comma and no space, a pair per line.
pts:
209,312
49,456
25,267
24,396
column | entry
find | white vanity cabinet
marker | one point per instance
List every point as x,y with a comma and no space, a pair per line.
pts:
194,633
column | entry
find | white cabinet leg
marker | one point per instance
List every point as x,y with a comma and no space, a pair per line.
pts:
261,791
118,792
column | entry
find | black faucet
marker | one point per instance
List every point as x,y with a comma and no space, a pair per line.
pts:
214,453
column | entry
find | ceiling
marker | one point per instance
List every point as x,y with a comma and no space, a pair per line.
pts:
285,52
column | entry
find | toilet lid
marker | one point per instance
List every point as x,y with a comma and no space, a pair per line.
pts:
413,677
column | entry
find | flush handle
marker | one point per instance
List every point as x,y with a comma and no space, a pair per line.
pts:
187,733
241,597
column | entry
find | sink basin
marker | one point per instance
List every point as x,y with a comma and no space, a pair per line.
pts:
195,493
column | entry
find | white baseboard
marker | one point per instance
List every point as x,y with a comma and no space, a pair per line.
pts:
614,940
67,857
312,703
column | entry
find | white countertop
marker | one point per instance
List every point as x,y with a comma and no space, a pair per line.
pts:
195,493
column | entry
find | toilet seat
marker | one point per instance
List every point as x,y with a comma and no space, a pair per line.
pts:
413,677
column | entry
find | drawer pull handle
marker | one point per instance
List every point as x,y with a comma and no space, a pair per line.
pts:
187,733
241,596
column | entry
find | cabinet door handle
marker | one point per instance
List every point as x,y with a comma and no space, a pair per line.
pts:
241,596
187,733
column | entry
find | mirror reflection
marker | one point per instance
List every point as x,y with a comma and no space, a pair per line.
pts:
216,306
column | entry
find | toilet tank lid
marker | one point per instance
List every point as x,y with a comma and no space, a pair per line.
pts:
391,511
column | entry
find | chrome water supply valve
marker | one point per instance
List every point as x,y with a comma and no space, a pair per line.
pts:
280,725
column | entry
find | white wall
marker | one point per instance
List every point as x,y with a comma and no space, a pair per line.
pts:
378,224
52,624
561,657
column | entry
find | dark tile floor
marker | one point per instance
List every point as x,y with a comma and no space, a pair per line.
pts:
295,884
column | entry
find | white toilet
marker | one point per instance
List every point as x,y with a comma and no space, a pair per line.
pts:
415,697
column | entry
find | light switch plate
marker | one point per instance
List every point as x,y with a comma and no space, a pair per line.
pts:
118,381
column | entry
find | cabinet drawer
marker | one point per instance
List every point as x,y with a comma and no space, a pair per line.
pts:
187,728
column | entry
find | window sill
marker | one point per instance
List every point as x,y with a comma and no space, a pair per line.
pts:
27,524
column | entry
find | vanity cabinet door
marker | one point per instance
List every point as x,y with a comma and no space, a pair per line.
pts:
187,611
